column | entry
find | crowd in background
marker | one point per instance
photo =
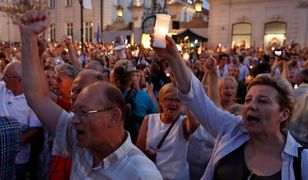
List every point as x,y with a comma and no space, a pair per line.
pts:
148,86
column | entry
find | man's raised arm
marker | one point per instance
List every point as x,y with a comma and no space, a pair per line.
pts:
34,82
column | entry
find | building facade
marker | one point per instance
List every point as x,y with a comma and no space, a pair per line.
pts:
250,23
66,18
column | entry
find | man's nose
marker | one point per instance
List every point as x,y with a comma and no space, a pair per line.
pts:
75,119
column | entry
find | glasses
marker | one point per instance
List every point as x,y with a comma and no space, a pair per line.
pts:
84,114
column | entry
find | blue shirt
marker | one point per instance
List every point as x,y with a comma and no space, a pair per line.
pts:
143,105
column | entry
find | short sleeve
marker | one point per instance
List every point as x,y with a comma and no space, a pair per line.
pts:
65,136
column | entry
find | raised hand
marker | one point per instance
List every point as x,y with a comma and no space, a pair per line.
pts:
68,41
33,22
210,65
170,52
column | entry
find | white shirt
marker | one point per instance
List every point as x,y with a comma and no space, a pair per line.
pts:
127,162
171,158
230,134
17,107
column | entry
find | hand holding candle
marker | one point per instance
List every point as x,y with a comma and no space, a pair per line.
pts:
161,30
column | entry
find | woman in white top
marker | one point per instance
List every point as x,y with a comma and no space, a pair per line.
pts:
170,156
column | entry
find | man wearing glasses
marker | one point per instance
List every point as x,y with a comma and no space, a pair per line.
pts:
14,104
93,134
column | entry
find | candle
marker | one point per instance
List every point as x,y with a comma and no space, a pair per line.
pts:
161,30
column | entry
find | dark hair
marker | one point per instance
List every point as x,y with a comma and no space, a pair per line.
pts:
241,58
121,77
284,89
222,56
304,76
260,69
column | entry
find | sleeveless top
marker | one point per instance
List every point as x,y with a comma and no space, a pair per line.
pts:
171,158
233,166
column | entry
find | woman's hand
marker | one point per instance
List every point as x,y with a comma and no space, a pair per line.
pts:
170,53
174,58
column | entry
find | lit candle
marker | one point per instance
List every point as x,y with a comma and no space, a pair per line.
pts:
161,30
186,56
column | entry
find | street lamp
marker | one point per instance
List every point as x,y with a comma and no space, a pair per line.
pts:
119,10
198,6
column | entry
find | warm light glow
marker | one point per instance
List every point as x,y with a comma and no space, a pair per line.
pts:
145,41
179,47
198,6
249,78
274,40
137,3
119,11
200,49
186,56
161,30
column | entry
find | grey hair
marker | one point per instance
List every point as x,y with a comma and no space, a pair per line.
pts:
68,69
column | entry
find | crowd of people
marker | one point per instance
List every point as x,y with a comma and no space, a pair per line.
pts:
118,111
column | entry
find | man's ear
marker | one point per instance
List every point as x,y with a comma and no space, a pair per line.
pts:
115,117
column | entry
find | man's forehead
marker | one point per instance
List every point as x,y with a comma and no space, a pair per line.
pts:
87,97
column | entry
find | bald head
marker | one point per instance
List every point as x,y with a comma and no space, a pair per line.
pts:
14,67
95,65
106,95
12,76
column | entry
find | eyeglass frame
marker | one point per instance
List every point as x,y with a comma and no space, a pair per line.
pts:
86,113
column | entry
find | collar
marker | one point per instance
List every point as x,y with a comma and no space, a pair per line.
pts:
119,153
291,145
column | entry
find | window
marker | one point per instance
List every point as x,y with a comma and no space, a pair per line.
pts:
88,31
137,2
52,33
275,34
69,29
69,3
241,35
52,4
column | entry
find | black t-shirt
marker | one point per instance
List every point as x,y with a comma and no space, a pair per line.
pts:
233,167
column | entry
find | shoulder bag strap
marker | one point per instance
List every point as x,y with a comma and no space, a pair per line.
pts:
297,161
166,134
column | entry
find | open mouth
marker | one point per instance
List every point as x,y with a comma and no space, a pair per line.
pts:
80,132
229,95
251,118
171,109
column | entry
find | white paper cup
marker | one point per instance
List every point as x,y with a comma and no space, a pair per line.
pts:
161,30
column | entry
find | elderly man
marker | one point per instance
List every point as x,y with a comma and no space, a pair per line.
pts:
14,104
93,135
